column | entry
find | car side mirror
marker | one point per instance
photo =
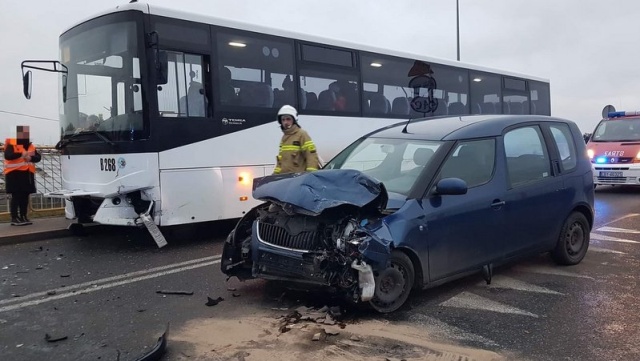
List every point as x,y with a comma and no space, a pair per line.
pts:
451,186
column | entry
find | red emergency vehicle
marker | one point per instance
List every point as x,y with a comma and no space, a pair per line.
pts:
614,149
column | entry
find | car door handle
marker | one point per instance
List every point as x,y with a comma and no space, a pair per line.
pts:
497,204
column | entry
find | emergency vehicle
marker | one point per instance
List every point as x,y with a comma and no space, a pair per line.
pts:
614,149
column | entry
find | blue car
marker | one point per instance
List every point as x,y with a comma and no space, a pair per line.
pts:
421,203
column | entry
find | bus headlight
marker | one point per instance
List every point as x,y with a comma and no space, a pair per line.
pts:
244,179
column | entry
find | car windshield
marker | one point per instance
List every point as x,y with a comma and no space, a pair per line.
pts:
395,162
617,130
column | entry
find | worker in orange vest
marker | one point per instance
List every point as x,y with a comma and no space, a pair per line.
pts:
19,174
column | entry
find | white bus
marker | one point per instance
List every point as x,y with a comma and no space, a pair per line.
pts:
167,116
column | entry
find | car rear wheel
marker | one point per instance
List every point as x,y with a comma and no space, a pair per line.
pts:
573,241
393,284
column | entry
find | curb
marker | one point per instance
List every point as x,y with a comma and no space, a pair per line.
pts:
34,236
44,235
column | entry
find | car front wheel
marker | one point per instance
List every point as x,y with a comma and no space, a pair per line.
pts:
573,242
393,284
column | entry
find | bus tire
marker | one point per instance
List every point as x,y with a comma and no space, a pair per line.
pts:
77,229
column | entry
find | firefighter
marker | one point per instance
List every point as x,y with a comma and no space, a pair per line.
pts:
19,173
297,150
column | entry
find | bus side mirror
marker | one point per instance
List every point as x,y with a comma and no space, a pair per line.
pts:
26,84
162,67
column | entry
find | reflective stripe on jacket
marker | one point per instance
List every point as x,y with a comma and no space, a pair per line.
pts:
19,163
297,152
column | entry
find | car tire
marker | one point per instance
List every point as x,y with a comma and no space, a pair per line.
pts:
393,284
573,241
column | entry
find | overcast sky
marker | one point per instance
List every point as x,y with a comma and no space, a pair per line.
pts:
588,49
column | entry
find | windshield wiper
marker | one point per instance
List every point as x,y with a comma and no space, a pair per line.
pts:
73,139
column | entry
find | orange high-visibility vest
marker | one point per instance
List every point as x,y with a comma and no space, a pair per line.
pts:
20,163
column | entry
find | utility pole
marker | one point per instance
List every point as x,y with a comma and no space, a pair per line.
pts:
458,26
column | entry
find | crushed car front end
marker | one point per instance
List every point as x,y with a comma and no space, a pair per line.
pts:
324,228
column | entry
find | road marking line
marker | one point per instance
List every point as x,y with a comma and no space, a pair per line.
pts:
619,219
105,286
602,237
618,230
512,283
448,331
471,301
108,279
603,250
550,271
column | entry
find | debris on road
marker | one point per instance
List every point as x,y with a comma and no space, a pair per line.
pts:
51,293
321,316
50,338
235,294
65,275
331,332
157,351
168,292
213,302
320,336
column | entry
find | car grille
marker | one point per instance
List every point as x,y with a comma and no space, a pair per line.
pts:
617,180
301,269
279,237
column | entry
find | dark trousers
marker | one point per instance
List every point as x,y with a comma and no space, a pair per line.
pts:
19,204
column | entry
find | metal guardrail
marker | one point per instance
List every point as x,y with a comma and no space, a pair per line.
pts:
48,179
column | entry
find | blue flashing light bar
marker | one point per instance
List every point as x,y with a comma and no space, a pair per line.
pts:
622,114
601,160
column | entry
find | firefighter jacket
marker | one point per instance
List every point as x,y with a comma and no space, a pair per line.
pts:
13,160
297,152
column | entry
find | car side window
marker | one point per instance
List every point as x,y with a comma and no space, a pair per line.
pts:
527,157
471,161
562,136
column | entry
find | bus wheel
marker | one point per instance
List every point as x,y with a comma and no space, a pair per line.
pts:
393,284
77,229
573,241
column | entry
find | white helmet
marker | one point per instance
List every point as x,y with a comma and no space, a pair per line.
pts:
288,110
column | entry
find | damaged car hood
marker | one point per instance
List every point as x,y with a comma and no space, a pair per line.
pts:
311,193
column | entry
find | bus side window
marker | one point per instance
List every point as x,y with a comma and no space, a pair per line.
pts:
184,93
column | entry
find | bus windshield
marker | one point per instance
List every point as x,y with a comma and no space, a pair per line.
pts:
104,93
622,130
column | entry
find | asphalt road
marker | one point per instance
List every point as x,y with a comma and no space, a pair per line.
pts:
101,293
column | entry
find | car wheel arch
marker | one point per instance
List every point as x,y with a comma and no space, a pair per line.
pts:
586,212
418,276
